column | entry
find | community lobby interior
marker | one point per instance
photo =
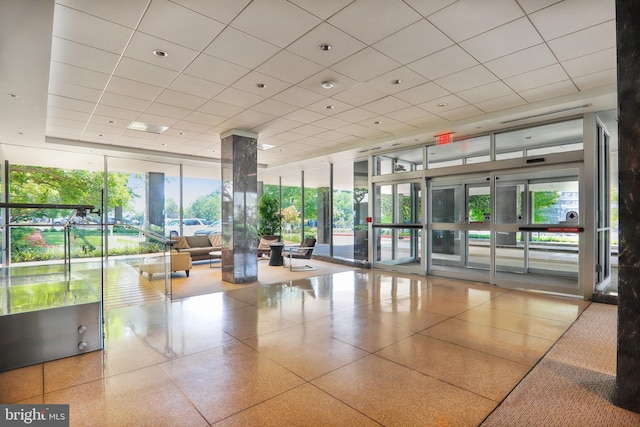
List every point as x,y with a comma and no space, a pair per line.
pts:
324,85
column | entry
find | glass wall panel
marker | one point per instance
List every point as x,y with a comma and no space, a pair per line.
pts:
202,200
546,139
360,207
346,212
384,208
399,161
317,208
471,150
291,205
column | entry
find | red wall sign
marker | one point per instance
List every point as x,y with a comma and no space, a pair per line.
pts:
444,138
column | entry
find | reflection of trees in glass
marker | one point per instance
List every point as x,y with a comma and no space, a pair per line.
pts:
359,195
171,208
343,209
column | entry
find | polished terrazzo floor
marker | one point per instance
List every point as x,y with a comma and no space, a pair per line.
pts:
352,348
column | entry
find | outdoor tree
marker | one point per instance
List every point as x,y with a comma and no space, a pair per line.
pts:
207,207
44,185
269,218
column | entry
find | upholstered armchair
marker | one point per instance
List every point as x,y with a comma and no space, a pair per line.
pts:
181,261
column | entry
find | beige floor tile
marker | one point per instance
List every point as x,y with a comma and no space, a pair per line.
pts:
70,371
515,322
124,351
481,373
22,383
521,348
546,306
227,380
248,322
146,397
303,406
305,352
394,395
462,293
442,306
413,317
359,331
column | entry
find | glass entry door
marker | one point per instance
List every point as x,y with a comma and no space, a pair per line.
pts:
460,227
398,227
519,229
537,229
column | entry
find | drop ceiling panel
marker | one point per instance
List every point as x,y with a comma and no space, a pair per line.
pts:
570,16
444,62
196,86
423,93
413,42
500,103
62,113
79,76
589,81
143,45
485,92
123,101
271,106
365,65
530,6
167,111
356,96
407,114
501,41
330,123
537,78
521,62
584,42
461,113
426,8
322,9
337,106
68,52
271,85
342,45
466,79
564,87
407,77
89,30
241,48
169,21
221,109
239,98
289,67
368,20
281,28
203,118
589,64
216,70
116,113
181,99
220,10
144,72
355,115
298,96
386,105
74,91
467,18
133,88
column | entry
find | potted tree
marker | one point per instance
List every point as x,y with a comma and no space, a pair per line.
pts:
269,223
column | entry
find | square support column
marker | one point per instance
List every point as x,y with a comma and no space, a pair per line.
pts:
627,390
239,206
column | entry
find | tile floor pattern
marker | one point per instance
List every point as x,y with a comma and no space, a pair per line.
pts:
352,348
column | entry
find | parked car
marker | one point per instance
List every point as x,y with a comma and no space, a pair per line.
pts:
213,228
189,226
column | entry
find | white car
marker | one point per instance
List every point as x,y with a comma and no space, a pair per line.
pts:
189,226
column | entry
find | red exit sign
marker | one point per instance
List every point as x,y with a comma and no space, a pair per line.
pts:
444,138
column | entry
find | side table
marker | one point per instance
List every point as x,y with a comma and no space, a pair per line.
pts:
276,254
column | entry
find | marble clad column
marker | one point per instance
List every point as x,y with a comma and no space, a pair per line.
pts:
627,390
239,206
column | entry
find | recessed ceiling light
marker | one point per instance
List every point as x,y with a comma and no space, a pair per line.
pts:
328,84
329,107
442,104
13,95
377,122
110,121
181,133
261,85
160,53
396,82
164,144
20,133
100,135
528,137
147,127
324,47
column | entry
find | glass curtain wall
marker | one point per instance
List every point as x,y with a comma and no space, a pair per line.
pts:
317,208
345,207
291,205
